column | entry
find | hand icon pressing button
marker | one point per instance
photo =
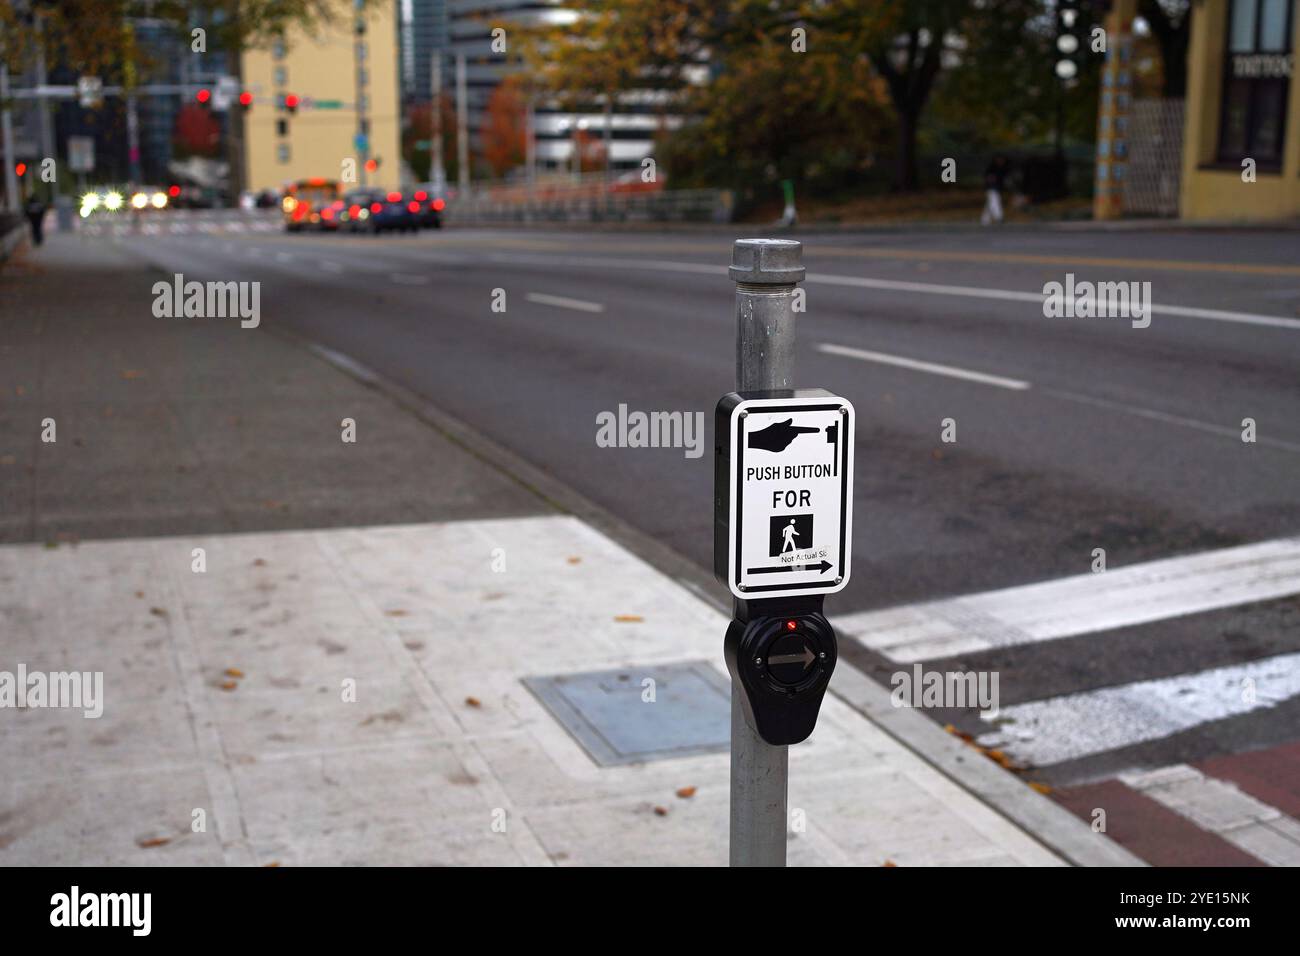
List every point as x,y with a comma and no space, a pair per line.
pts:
778,435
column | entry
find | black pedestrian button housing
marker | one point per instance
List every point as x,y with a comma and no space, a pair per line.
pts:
783,663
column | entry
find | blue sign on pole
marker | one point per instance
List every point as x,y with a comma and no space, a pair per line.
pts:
361,142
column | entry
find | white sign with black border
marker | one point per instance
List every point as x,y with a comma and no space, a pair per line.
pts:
790,494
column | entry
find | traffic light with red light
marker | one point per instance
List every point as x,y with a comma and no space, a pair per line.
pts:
372,165
204,96
245,99
291,102
21,169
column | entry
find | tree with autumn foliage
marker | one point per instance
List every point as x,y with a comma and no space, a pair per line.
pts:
804,89
197,133
505,129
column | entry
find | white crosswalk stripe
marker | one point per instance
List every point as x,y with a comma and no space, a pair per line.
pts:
1221,808
1045,732
1121,597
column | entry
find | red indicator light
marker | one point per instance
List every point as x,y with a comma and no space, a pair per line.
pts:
173,191
791,625
327,213
290,101
413,206
20,169
394,197
438,204
376,207
421,195
372,165
204,95
354,210
245,99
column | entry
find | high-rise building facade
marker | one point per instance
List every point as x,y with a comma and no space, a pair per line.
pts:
631,125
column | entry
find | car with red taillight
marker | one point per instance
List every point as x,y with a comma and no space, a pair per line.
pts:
431,205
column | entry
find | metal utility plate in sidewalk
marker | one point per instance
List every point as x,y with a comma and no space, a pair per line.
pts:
605,712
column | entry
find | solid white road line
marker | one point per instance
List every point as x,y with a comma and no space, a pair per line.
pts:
1120,597
918,366
564,303
327,266
1045,732
1167,419
283,257
1219,807
1010,295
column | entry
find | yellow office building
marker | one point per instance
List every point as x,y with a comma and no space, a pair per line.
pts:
327,70
1243,108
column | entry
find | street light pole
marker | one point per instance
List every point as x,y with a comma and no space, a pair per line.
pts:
766,272
7,134
439,172
462,128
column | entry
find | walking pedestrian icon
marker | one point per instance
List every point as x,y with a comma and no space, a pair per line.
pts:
790,534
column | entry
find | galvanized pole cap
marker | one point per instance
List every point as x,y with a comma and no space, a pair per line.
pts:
767,261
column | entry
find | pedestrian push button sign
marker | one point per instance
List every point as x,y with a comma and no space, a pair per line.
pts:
789,515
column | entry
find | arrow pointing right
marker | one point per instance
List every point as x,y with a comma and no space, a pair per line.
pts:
821,568
807,657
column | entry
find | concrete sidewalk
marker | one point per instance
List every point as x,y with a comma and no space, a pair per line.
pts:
343,680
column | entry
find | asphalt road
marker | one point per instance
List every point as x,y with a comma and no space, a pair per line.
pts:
1082,433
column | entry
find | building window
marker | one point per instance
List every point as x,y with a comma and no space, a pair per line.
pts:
282,152
1256,74
281,127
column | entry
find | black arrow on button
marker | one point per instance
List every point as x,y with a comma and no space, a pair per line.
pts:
807,657
820,568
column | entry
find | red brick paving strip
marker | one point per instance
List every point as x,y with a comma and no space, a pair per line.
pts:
1152,831
1272,775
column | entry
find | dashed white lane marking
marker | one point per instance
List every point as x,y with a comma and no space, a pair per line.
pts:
916,365
892,285
327,266
1120,597
1045,732
283,257
403,278
1221,808
564,302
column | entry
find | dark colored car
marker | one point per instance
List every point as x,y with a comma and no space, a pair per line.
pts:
387,211
431,206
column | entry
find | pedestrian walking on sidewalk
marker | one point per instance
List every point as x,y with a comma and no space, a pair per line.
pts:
36,216
995,181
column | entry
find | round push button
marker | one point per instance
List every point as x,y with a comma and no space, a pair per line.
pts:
790,658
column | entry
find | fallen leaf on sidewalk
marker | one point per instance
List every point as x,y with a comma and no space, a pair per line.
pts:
889,863
661,811
132,373
234,672
628,618
157,612
155,841
228,685
259,562
139,594
398,612
473,702
575,560
686,792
